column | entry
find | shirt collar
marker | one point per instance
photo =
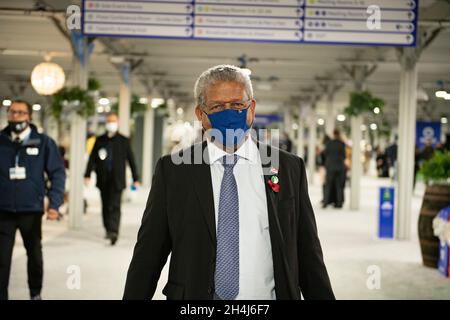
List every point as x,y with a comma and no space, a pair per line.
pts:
23,135
248,151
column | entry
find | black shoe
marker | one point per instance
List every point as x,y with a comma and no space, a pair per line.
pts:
36,297
113,238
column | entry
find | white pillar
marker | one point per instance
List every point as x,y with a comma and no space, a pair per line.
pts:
331,116
147,154
77,151
50,125
288,121
406,142
94,126
356,169
359,76
125,101
312,146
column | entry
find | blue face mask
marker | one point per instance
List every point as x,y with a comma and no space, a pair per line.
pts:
229,127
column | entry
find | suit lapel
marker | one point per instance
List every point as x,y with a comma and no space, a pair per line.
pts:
203,187
280,264
270,161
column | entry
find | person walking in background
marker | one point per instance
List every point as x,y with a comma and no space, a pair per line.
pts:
285,142
322,169
382,163
391,158
25,157
108,158
427,151
335,171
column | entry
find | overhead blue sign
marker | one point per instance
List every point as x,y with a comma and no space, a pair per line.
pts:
427,133
350,22
386,213
266,119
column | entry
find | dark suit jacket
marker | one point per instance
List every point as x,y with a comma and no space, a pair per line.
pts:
121,153
180,219
335,155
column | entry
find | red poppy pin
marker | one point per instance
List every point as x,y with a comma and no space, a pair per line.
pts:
274,183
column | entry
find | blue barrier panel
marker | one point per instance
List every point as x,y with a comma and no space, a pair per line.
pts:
386,213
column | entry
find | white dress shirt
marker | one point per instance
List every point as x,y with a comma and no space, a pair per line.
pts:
22,136
256,278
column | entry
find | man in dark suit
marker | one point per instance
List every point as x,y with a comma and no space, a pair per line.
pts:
234,214
108,158
334,155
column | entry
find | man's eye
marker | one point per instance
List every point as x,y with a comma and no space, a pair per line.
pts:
237,105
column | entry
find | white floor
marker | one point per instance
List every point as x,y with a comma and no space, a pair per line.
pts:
351,250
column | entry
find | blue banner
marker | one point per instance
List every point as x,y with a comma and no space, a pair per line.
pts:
265,120
427,132
386,213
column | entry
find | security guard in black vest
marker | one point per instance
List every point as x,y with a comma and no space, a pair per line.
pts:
108,158
26,156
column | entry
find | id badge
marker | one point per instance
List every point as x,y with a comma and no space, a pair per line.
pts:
102,154
32,151
17,173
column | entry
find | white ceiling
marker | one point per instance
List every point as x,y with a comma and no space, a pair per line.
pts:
173,65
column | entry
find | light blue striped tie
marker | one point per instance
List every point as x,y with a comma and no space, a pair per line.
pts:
227,261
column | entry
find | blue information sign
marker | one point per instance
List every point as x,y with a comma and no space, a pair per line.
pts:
386,213
350,22
427,132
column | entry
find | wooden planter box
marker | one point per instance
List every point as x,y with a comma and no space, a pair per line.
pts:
436,197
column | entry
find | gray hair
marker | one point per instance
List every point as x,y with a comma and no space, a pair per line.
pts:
221,73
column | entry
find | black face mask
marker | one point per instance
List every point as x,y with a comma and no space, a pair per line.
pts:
18,126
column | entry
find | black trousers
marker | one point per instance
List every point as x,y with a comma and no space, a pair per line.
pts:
30,227
111,202
334,187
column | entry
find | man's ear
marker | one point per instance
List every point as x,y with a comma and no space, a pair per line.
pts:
198,113
251,116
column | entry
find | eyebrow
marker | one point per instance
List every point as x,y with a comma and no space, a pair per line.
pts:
229,101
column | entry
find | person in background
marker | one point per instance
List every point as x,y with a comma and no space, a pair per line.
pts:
367,157
335,168
25,157
90,142
391,158
322,169
285,142
417,159
382,163
427,151
108,158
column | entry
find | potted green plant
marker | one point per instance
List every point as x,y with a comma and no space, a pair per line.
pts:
136,107
436,174
362,102
75,99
